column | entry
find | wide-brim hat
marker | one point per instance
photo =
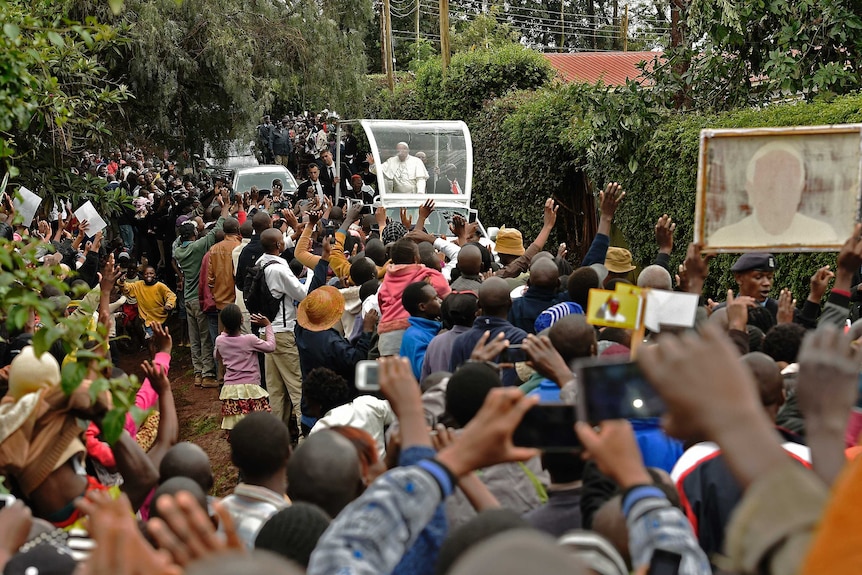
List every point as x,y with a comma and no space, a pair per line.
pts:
321,309
509,241
619,261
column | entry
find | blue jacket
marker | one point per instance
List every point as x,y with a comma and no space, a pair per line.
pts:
464,344
415,341
657,449
548,391
527,308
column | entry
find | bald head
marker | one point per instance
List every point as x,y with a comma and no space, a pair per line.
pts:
770,383
470,260
655,277
261,221
246,229
256,561
271,240
325,470
187,460
544,273
573,337
494,297
231,226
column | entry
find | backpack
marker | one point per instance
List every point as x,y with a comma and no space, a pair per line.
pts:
256,294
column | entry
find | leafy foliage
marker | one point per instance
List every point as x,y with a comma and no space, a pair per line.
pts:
206,70
476,76
55,95
531,161
22,280
741,53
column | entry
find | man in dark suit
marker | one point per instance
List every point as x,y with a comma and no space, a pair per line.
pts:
330,177
264,140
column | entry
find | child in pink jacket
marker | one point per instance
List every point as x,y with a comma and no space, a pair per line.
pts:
404,270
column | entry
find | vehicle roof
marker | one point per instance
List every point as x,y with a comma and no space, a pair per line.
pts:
262,169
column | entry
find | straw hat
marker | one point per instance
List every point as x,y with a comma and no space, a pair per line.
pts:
321,309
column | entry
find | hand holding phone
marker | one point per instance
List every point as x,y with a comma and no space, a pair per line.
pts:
615,390
549,427
367,376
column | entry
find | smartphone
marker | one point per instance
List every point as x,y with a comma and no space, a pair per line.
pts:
472,216
366,375
614,390
513,354
664,563
6,499
549,427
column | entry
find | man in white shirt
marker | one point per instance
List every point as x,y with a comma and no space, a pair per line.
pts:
403,173
283,375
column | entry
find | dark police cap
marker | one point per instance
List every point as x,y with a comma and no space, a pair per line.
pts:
754,261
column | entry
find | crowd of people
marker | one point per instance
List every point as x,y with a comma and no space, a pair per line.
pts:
752,468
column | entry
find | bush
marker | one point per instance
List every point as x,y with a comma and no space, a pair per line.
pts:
476,76
402,104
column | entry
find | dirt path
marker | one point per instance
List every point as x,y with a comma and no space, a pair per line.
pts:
199,412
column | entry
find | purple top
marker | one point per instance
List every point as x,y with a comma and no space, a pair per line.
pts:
239,354
440,351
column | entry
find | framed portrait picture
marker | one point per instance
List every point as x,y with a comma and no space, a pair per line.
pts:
778,189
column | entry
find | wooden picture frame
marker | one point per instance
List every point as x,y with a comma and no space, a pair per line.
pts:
791,189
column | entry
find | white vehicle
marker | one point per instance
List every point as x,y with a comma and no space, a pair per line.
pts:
262,177
448,158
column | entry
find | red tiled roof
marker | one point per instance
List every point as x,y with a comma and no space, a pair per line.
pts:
612,68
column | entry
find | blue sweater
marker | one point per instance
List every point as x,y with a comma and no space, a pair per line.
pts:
464,344
415,341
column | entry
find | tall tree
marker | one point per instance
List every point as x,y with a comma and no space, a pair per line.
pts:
205,70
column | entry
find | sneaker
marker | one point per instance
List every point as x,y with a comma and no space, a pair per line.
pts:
209,382
197,380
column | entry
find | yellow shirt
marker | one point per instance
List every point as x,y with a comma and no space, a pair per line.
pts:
151,300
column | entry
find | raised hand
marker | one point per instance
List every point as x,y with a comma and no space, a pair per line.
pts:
827,389
696,268
380,217
162,340
314,217
426,209
488,350
786,306
400,387
737,310
259,319
545,359
406,220
615,451
664,229
609,200
15,522
487,439
185,531
549,213
819,283
353,213
849,259
157,375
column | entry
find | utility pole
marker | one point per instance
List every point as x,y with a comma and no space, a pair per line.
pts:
562,26
444,32
624,28
387,36
417,29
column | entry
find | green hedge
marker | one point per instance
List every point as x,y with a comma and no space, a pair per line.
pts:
521,157
665,182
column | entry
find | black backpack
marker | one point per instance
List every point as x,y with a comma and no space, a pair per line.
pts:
256,294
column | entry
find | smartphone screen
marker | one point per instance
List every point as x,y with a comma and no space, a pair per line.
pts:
366,376
615,391
472,216
513,354
549,427
664,563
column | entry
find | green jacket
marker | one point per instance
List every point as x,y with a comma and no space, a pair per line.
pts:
189,255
